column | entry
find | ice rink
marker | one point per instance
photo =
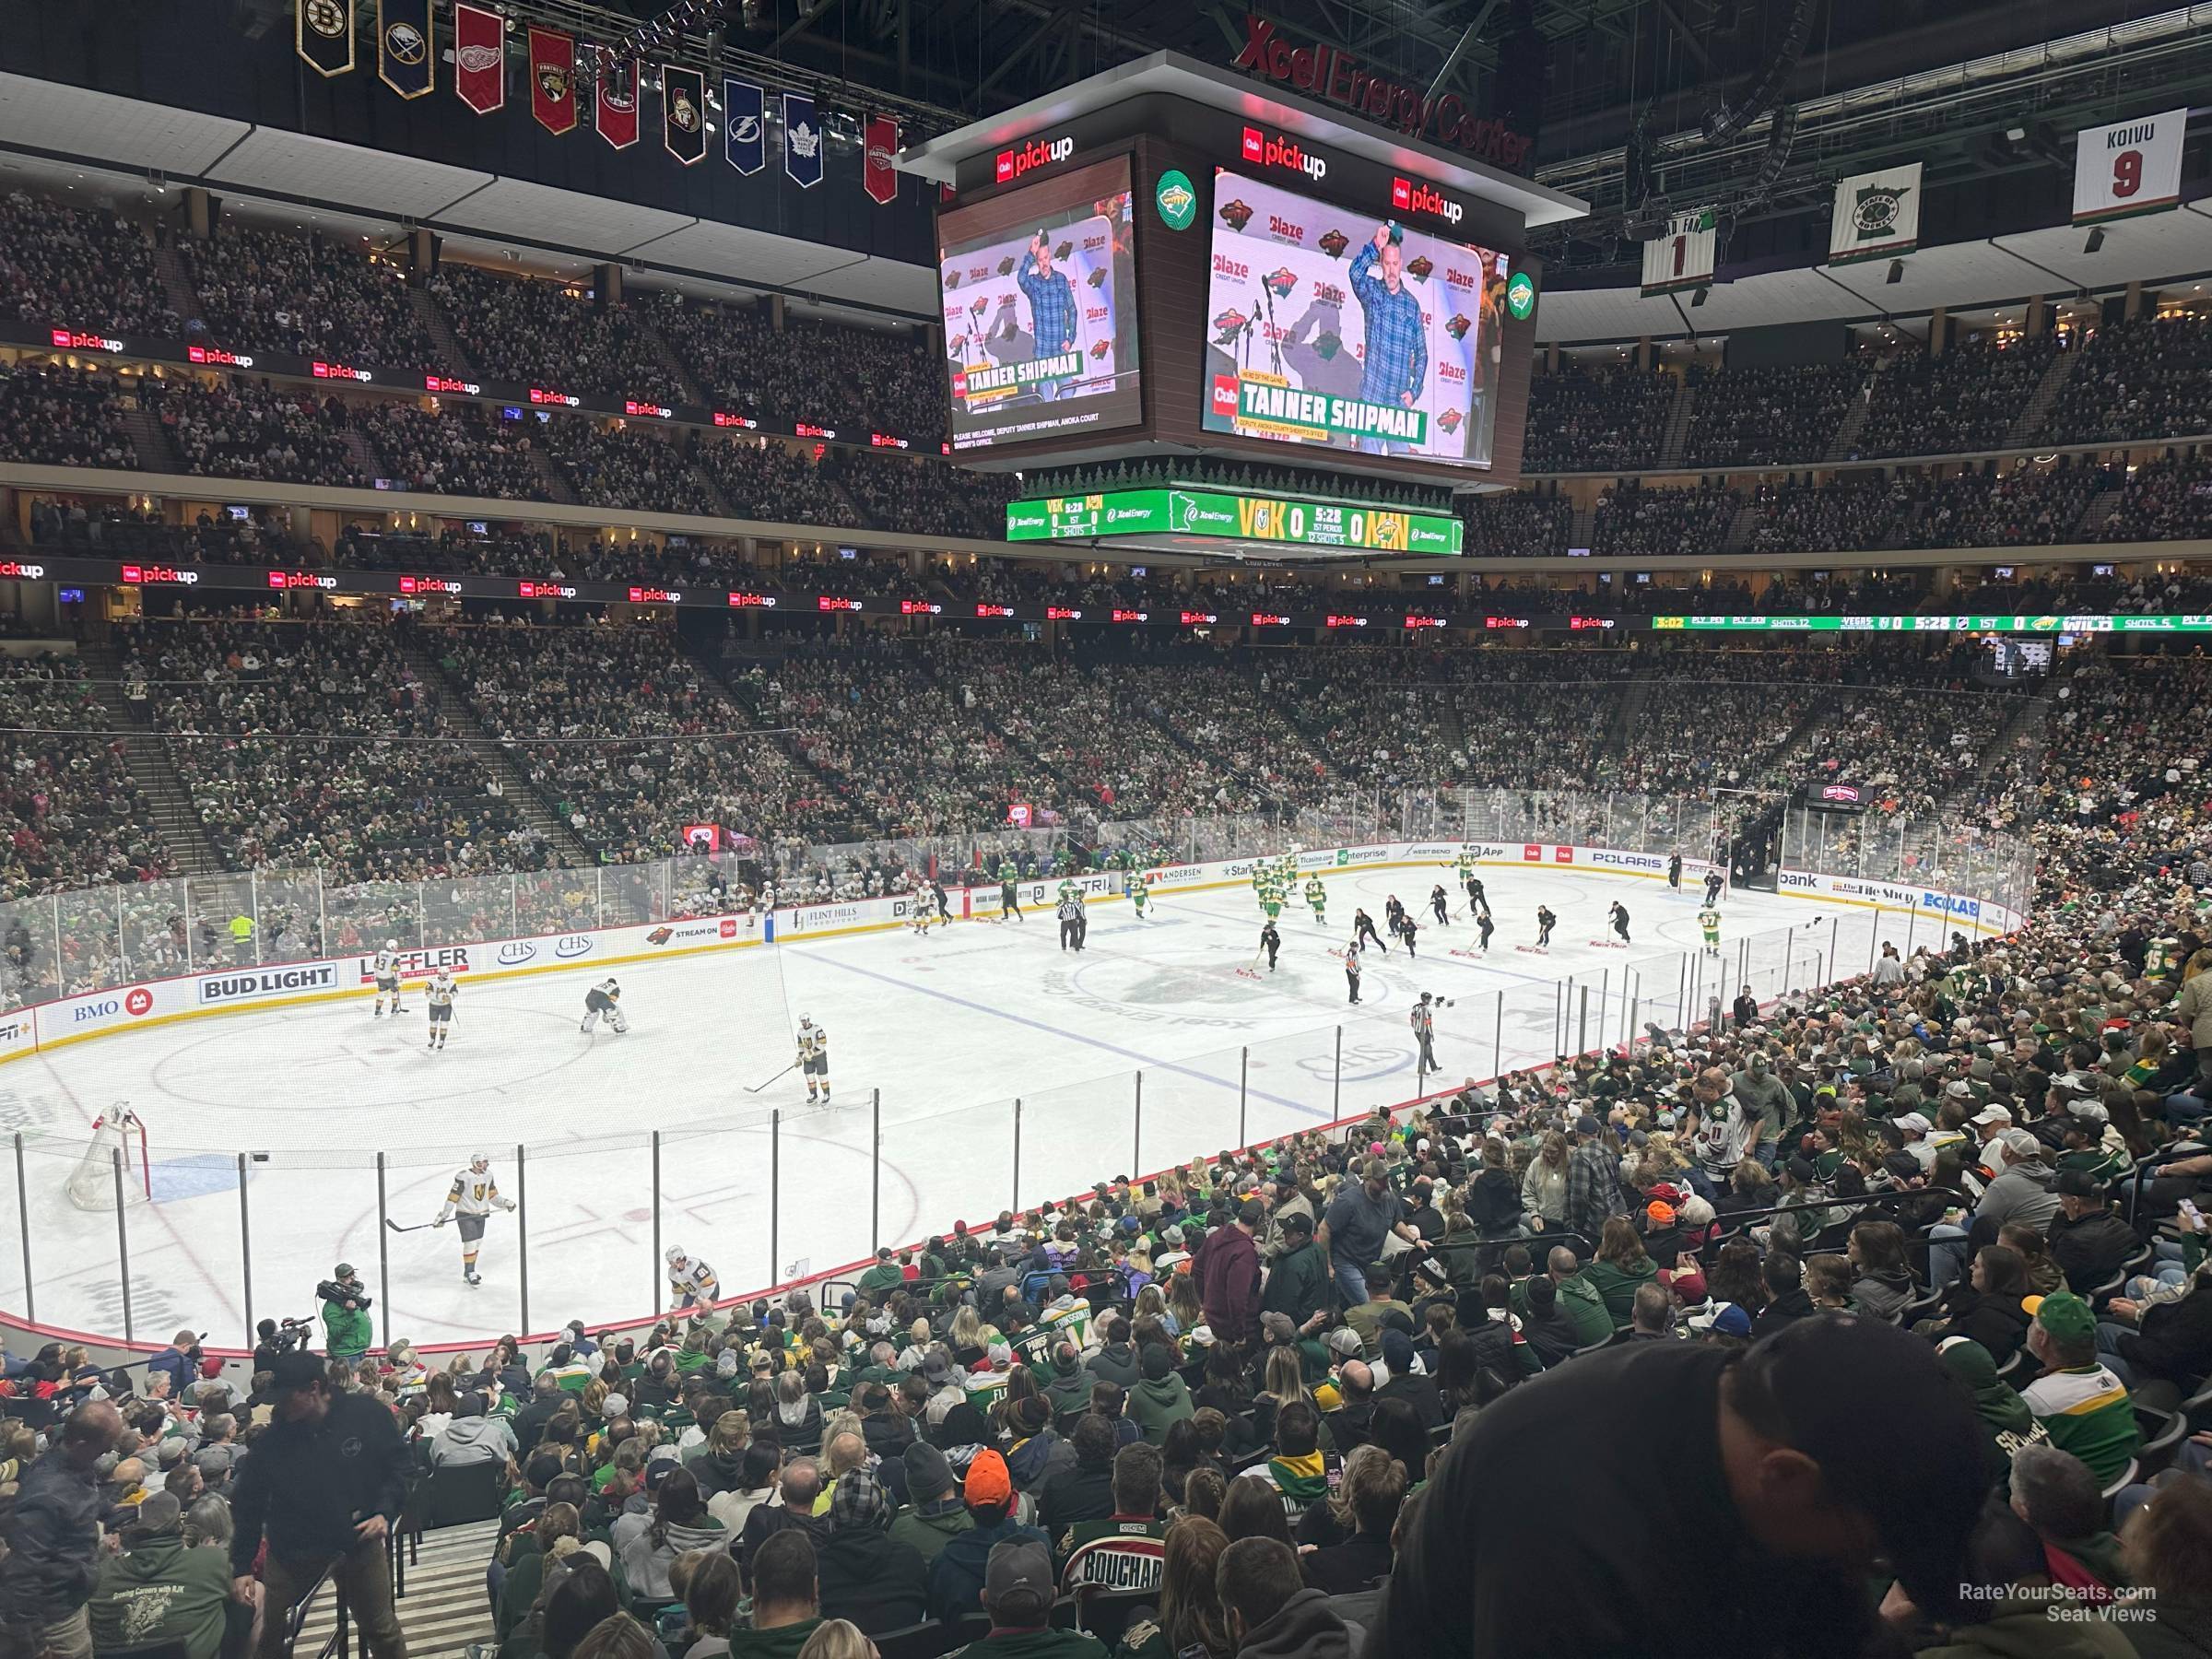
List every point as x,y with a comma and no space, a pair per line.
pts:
1147,1049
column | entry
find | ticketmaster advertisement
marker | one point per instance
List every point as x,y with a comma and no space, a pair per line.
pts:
1040,308
1352,332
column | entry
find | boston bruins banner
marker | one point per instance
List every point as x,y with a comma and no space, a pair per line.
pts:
323,33
553,80
1876,215
615,99
403,60
684,114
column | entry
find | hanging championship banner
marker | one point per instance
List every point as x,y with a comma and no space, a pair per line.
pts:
2128,168
744,126
802,141
479,58
322,34
553,80
614,99
403,47
879,173
1876,215
1684,257
684,114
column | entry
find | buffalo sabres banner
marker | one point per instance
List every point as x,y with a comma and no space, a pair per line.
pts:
403,47
615,99
323,33
553,80
744,144
479,58
878,174
684,114
802,141
1876,215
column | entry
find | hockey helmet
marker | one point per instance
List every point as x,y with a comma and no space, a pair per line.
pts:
478,1160
391,944
676,1254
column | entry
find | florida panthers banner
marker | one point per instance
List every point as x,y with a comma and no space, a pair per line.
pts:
879,174
479,59
403,47
322,34
744,112
614,99
1876,215
684,114
553,80
802,141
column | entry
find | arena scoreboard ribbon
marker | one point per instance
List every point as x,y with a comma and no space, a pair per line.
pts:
1226,516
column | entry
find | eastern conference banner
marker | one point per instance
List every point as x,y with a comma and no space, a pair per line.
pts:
1175,512
2178,623
1331,327
1040,308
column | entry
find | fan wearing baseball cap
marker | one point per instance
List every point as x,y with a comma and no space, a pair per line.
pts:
959,1574
1769,1462
2082,1404
1018,1595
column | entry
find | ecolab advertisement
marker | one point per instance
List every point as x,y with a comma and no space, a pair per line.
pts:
1333,328
1039,293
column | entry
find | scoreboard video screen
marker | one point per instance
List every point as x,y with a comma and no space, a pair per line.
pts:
1341,329
1040,305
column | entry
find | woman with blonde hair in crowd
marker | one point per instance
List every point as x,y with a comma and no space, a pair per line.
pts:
838,1638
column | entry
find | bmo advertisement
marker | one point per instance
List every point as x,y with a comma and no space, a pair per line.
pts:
1350,329
1040,303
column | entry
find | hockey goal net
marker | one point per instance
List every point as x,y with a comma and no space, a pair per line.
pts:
119,1134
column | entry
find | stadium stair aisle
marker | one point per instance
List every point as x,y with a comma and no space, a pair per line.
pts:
444,1608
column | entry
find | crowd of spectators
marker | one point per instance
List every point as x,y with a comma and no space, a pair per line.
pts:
1603,419
454,449
81,268
308,295
1632,518
239,429
1969,398
772,481
899,494
2168,500
2031,506
71,810
632,467
747,366
55,416
2137,381
1518,524
551,334
1765,417
1855,511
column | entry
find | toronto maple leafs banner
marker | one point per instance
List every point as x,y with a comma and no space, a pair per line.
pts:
743,136
802,140
1876,215
1347,332
684,114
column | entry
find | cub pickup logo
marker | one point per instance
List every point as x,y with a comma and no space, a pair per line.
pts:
653,596
300,579
428,585
648,411
1411,195
446,382
546,397
543,590
1271,149
1010,164
1532,854
70,340
18,568
723,417
341,372
216,355
159,576
1562,856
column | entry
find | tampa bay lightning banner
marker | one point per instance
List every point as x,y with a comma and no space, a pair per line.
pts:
802,141
744,142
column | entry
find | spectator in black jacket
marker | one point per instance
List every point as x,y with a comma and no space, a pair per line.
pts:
866,1575
1407,1384
2166,1337
53,1538
2088,1241
1086,1491
325,1483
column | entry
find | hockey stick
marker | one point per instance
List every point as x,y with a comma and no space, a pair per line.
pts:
757,1087
418,1226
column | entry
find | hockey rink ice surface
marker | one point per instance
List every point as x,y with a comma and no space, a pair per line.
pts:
950,1029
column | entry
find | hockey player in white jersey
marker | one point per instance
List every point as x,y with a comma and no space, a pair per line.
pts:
387,978
472,1197
604,1000
814,1059
438,995
691,1283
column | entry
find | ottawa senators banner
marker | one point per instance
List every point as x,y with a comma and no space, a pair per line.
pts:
684,114
553,80
479,59
614,103
403,60
322,34
878,174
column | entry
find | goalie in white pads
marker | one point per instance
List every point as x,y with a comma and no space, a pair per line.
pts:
604,1000
386,971
438,995
472,1197
814,1059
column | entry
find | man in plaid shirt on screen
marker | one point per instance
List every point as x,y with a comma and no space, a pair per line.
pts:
1396,353
1052,306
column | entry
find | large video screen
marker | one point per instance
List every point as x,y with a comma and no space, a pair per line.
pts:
1330,328
1039,300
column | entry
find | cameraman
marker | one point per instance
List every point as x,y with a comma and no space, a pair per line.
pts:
345,1298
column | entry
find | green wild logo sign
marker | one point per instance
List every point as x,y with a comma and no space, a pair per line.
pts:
1520,295
1177,201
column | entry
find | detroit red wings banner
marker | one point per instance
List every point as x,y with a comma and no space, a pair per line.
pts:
877,172
553,80
479,59
615,103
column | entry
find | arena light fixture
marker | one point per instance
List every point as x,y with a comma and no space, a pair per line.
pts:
1897,271
2096,240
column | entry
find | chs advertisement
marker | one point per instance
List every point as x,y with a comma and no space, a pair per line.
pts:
1343,328
1040,308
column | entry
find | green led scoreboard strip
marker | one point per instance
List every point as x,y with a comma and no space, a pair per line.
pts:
1220,515
1933,624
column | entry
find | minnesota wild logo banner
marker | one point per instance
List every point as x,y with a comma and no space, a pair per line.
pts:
322,34
1876,215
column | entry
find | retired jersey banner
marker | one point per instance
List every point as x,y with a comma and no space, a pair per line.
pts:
553,80
684,114
744,125
1876,215
322,34
614,99
403,47
802,140
479,59
880,173
1684,257
2129,167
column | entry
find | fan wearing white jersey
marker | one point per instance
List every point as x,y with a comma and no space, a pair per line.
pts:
440,994
814,1059
472,1197
386,971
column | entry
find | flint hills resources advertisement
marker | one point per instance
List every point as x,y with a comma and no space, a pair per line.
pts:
1334,327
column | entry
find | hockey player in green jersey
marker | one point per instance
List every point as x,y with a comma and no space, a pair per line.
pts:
1272,902
1709,921
1139,894
1318,897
